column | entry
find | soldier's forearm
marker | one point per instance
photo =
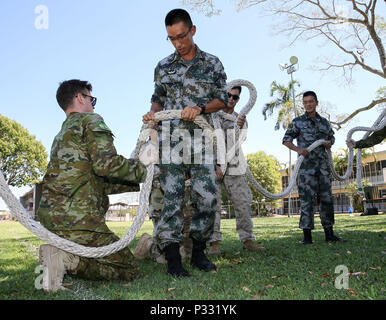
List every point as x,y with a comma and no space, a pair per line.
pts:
291,146
214,105
156,107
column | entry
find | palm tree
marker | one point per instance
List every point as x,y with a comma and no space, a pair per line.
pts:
283,103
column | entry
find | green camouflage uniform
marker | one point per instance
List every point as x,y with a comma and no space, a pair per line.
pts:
373,139
314,178
237,190
84,168
178,84
155,208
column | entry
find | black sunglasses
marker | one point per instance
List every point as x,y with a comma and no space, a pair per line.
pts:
234,96
93,99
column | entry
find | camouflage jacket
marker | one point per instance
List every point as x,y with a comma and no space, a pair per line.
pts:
84,168
307,130
373,139
180,83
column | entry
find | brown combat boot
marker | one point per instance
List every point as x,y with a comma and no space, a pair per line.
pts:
214,248
143,247
56,264
251,246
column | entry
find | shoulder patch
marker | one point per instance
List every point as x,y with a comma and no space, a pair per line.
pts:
103,126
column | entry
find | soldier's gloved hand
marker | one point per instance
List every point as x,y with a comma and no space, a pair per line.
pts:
149,154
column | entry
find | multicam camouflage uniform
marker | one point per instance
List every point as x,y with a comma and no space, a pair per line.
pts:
237,190
314,174
178,84
84,168
373,139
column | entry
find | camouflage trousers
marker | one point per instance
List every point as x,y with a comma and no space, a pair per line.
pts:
313,187
240,194
155,207
117,266
170,226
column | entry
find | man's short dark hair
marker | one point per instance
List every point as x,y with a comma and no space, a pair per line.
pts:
237,88
178,15
69,89
310,93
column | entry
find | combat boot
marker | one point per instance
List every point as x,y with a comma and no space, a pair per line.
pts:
199,259
173,257
330,237
214,248
307,237
251,246
56,263
143,247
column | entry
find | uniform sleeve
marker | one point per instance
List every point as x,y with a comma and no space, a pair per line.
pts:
220,91
159,95
105,160
331,136
372,140
291,133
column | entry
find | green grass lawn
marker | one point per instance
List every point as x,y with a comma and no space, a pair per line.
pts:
287,270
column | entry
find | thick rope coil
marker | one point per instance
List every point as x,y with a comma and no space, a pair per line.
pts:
91,252
23,217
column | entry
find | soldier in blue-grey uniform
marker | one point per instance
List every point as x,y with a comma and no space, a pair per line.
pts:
193,81
314,179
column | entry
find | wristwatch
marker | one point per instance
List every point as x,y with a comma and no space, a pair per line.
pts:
202,106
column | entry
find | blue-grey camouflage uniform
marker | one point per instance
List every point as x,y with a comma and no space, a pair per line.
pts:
314,179
178,84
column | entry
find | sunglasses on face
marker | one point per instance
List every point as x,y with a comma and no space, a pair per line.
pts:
234,96
93,99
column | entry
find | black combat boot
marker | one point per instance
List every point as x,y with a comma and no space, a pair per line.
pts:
307,237
199,258
173,257
330,237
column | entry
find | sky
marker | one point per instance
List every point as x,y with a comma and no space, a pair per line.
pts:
116,45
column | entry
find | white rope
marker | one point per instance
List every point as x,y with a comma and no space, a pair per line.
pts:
26,220
97,252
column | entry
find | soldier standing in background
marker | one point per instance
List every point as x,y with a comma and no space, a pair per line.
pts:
236,187
314,179
84,168
193,81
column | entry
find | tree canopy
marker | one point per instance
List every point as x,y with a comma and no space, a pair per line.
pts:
266,171
23,159
353,28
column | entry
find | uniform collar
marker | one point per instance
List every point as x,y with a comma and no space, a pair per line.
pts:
176,56
317,116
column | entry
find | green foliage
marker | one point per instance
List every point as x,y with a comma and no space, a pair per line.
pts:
356,198
283,102
266,171
23,159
